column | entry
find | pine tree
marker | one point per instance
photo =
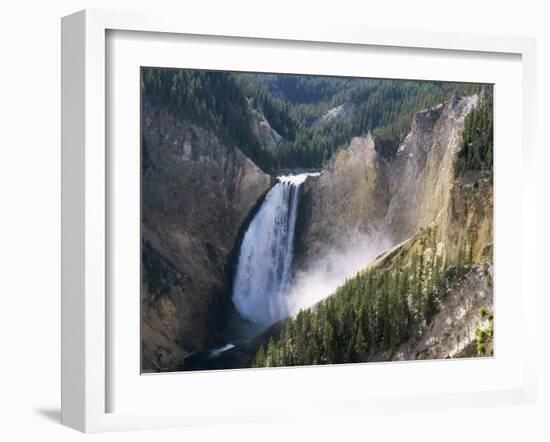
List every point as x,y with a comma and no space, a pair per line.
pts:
361,345
260,357
271,359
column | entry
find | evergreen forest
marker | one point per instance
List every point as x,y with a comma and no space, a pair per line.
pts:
223,102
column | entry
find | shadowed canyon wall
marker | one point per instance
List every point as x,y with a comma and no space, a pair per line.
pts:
197,194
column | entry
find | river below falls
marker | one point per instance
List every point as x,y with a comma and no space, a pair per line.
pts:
263,276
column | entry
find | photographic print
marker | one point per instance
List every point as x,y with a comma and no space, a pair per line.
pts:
297,220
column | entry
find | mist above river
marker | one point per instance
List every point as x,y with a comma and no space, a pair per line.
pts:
266,288
331,270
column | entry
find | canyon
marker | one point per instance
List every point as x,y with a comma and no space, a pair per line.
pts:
211,274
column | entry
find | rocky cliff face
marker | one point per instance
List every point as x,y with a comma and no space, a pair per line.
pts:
348,200
268,137
336,113
189,237
467,222
452,331
422,174
418,205
359,192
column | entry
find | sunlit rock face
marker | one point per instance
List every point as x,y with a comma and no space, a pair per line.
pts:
421,175
410,203
360,195
346,202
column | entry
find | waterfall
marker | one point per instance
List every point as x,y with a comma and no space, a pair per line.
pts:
264,269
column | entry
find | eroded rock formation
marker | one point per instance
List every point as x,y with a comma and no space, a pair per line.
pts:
197,195
418,204
361,193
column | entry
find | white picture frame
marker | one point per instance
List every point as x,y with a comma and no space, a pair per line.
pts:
86,356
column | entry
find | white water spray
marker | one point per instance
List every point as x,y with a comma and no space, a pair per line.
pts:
264,269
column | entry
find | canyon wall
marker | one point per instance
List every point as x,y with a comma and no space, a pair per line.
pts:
348,200
359,194
418,205
197,194
190,239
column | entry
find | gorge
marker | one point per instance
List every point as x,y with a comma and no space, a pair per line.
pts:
383,253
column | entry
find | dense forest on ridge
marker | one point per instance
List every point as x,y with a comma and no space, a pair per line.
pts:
372,313
223,102
476,152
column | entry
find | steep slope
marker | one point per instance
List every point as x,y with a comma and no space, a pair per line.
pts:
336,113
422,172
440,226
463,233
461,237
467,222
189,237
348,200
361,193
269,138
452,331
429,297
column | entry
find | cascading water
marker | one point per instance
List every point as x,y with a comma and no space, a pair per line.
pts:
264,269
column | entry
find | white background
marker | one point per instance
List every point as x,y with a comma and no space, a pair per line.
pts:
30,220
208,393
